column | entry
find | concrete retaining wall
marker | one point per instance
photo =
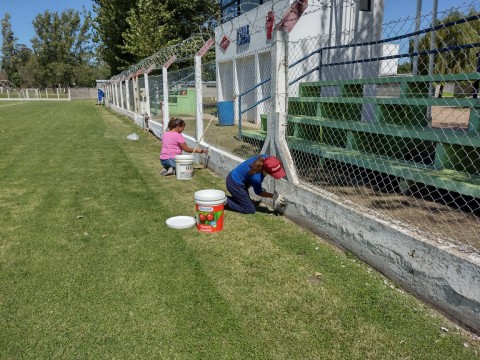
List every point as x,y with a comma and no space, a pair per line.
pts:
83,93
438,273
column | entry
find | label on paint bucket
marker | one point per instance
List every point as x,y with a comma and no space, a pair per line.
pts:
209,210
209,218
184,167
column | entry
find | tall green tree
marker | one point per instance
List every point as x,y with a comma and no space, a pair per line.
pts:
24,55
156,24
452,61
62,42
110,25
9,61
130,30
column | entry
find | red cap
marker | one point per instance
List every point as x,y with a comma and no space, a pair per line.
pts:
273,167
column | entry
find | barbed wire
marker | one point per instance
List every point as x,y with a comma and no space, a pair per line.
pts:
185,50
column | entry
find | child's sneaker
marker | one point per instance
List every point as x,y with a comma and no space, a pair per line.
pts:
170,171
163,172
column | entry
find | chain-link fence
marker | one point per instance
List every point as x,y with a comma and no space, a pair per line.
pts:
385,117
7,93
388,119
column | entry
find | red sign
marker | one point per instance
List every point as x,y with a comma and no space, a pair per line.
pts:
170,61
269,24
150,68
292,15
138,73
224,42
205,47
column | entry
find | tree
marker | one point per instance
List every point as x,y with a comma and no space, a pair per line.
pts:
154,25
23,54
459,34
61,44
405,68
110,25
9,56
130,30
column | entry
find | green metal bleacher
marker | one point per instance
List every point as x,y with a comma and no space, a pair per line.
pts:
398,141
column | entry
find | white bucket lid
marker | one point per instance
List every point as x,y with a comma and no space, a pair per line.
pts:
184,157
181,222
209,195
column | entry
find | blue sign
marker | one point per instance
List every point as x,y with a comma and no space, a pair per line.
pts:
243,35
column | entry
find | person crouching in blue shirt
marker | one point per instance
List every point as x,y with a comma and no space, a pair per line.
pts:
251,173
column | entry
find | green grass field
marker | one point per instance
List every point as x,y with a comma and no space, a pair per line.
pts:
89,270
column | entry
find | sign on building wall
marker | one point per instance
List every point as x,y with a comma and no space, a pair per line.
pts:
243,35
269,22
224,42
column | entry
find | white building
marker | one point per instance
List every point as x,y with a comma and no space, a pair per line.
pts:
243,45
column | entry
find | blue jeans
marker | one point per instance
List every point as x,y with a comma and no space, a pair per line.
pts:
168,163
239,200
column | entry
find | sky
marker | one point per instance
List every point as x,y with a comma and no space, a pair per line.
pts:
23,12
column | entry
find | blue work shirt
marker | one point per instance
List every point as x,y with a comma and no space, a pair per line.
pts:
241,176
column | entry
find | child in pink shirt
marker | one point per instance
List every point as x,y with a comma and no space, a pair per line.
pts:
173,143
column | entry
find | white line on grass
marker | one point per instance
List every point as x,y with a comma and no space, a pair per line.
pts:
10,104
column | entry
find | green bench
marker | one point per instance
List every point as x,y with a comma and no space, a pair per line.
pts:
398,141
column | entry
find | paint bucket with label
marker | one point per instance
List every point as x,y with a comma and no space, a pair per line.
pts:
209,210
184,167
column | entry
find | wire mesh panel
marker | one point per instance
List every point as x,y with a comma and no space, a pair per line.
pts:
386,117
131,97
390,122
155,84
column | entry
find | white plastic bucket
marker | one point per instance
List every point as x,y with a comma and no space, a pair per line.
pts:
209,209
184,167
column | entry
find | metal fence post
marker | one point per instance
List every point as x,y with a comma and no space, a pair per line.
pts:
476,84
416,42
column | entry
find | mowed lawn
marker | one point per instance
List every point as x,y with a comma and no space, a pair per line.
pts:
89,270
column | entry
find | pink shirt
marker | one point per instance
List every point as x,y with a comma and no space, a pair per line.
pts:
171,141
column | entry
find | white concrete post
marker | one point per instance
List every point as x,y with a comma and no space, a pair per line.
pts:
117,87
258,90
58,94
198,88
236,92
165,109
277,119
136,95
127,95
199,101
122,101
147,95
69,94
